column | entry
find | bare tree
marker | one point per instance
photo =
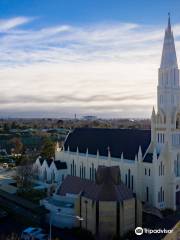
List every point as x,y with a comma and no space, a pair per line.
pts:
17,145
25,175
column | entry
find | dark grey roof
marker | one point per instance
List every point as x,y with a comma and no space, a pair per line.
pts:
102,192
117,140
60,165
107,189
41,160
49,161
148,158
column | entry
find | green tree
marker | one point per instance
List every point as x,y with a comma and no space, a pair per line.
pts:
48,148
6,127
14,125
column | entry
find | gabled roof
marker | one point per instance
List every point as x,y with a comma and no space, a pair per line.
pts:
60,165
91,190
106,188
148,158
49,161
41,160
118,141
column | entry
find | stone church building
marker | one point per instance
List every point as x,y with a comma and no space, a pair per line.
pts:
149,160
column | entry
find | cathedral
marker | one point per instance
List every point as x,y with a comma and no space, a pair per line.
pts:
149,160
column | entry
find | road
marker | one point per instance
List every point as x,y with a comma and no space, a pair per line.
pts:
8,226
166,223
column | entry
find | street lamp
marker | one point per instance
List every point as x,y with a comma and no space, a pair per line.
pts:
50,225
79,218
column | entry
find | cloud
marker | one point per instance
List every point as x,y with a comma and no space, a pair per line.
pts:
107,69
8,24
72,99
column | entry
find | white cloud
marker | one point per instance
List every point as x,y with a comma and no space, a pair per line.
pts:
106,69
8,24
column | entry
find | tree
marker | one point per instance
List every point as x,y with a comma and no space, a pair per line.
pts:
17,145
25,174
48,148
6,127
14,125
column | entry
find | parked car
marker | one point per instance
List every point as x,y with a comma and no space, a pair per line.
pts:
41,237
31,233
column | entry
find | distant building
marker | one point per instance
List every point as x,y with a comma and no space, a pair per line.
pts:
89,118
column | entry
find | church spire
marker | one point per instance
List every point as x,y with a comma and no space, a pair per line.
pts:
169,22
168,59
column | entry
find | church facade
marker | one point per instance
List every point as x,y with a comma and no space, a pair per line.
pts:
149,160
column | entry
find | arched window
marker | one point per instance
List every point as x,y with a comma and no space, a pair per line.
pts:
178,121
129,175
132,183
90,173
92,177
161,99
80,172
53,177
161,194
73,168
45,175
158,196
84,172
147,194
161,169
126,179
177,166
95,173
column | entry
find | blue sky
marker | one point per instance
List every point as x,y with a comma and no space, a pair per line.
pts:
87,11
61,57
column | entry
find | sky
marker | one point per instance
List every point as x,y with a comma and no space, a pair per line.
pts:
59,58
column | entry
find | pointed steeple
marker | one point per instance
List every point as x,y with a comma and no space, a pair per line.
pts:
168,59
153,113
169,21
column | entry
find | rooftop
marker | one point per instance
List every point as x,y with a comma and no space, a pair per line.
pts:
106,188
117,141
